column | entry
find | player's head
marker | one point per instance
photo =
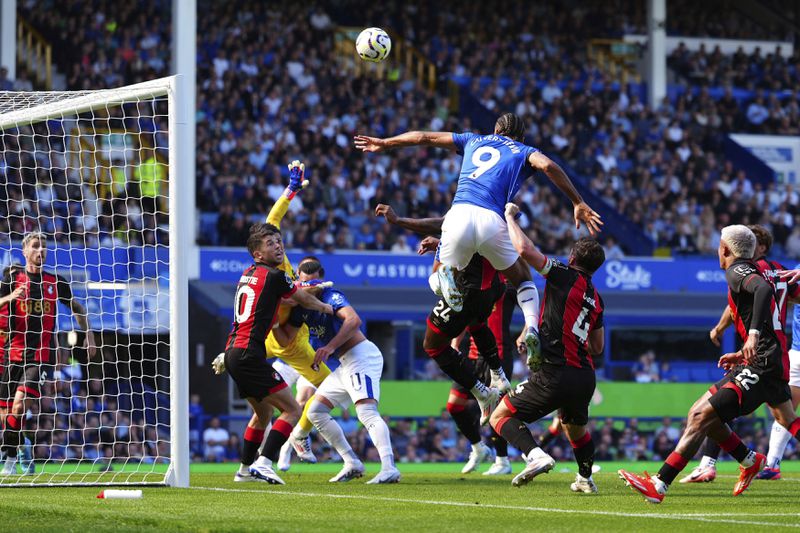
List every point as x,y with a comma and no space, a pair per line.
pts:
587,254
310,268
34,249
511,126
736,241
265,244
763,240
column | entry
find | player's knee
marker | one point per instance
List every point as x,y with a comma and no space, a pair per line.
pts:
318,413
367,413
498,415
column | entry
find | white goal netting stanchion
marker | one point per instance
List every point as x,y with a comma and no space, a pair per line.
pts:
94,173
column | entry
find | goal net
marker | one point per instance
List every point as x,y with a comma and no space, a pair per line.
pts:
89,177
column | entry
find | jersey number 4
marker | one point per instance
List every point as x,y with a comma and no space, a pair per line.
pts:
581,326
482,165
243,305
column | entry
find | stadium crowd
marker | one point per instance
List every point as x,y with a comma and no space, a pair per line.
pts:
270,91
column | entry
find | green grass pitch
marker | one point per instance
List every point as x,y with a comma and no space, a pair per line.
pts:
430,497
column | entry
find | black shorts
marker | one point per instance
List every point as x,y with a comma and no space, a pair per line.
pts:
744,389
253,375
565,388
27,377
478,305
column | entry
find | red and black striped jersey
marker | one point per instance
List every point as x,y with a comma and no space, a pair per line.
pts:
255,306
745,279
479,274
32,318
571,308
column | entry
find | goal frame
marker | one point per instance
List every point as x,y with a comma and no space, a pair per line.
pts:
180,240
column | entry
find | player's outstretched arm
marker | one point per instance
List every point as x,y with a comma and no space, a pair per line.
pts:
423,226
439,139
521,242
725,321
297,182
581,211
304,299
790,276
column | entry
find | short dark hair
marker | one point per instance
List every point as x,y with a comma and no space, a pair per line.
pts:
311,265
258,232
510,125
763,236
588,254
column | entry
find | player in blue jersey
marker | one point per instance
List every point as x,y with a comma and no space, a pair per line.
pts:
357,379
492,172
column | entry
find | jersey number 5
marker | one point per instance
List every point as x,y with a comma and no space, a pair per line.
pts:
484,164
243,305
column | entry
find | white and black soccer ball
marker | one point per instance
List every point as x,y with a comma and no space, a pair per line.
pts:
373,44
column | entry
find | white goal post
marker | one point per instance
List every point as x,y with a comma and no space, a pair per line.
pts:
98,174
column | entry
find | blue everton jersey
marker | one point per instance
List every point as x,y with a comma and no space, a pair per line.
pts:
321,327
492,171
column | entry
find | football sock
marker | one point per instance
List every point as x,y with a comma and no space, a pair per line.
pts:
11,436
794,428
378,431
734,446
778,439
672,467
583,448
516,433
711,449
499,443
320,416
277,437
252,441
304,425
548,437
467,420
459,368
486,344
528,300
708,462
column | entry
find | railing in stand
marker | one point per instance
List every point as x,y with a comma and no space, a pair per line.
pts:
35,53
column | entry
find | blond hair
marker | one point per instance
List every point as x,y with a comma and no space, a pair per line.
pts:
740,239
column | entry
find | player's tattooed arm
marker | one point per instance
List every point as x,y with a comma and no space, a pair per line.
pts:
423,226
581,211
725,321
521,242
439,139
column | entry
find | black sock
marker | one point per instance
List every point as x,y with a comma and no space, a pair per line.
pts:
252,440
486,343
734,447
672,467
516,433
711,448
459,368
11,436
467,420
583,449
500,445
276,438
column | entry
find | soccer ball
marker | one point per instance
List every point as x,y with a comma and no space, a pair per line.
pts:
373,44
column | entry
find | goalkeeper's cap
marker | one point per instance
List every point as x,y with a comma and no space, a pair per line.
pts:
33,235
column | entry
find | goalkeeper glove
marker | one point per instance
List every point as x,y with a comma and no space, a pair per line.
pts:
319,283
218,364
297,181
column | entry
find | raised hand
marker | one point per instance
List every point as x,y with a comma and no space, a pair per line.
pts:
369,144
587,215
386,211
428,244
297,181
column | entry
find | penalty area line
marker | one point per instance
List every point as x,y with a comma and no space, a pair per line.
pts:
711,517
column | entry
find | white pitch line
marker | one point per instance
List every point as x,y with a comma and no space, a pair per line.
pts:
710,517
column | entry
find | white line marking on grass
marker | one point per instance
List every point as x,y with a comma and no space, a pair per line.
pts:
717,518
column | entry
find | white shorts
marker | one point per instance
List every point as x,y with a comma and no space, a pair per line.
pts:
290,375
794,368
468,229
357,378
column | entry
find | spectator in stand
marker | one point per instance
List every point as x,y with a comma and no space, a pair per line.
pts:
215,439
646,370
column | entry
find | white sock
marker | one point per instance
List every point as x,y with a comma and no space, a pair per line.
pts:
320,416
528,299
707,461
262,461
501,460
536,453
378,432
244,469
778,440
299,433
750,460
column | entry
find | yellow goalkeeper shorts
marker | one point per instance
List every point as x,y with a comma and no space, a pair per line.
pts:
299,355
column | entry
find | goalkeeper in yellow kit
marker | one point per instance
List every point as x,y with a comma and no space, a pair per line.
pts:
298,354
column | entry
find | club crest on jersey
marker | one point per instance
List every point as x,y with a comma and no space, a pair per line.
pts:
744,270
50,290
288,279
